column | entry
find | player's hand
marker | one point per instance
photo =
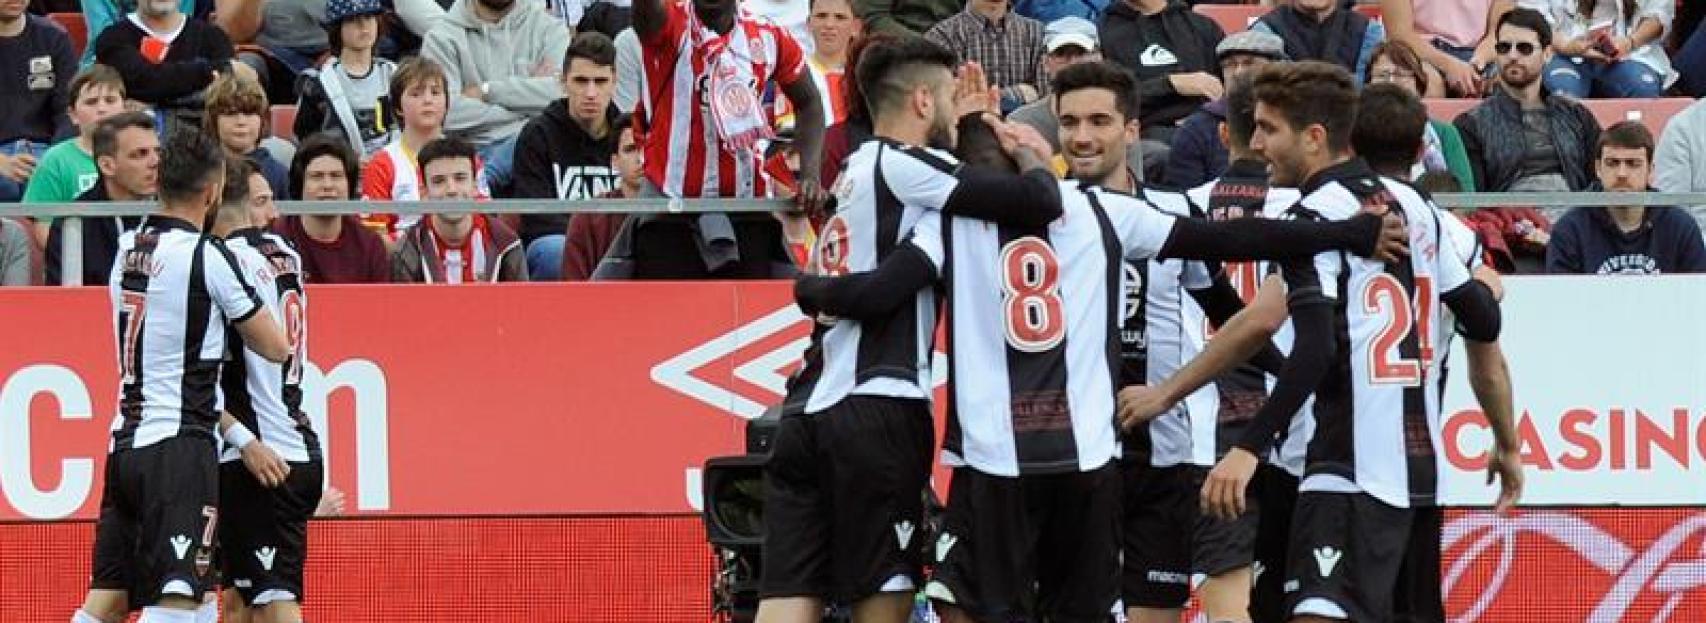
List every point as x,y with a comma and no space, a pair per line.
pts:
1394,242
1200,84
1138,404
972,92
331,503
1505,464
265,464
1018,138
17,168
1489,277
812,198
1223,490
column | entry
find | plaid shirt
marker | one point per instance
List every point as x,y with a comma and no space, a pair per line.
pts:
1011,50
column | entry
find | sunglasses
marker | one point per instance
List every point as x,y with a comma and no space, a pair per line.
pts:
1524,48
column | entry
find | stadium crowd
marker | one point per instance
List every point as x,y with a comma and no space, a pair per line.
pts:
584,99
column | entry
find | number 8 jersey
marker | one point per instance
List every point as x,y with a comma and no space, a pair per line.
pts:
267,396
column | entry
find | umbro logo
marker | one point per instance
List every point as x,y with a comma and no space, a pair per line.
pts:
181,546
1326,559
266,555
944,544
1157,56
903,533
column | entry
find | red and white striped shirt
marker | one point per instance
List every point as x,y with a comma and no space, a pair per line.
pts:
679,137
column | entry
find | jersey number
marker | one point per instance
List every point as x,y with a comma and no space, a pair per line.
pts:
295,330
1384,296
132,311
1030,282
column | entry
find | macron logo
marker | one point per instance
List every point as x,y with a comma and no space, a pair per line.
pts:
903,533
181,546
943,545
265,555
1326,558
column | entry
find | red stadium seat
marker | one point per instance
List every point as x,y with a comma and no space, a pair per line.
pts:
1232,17
1654,112
284,121
75,26
1447,110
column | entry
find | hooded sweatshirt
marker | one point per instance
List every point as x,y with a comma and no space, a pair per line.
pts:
517,59
1176,40
1588,241
555,158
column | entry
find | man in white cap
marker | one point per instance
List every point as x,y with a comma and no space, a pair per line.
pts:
1197,153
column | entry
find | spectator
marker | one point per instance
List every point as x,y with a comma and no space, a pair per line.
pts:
1047,11
167,59
1321,30
127,150
1170,49
1626,240
1515,239
287,33
833,28
37,62
98,15
1008,46
630,75
1395,63
904,17
68,168
1454,37
422,95
1681,165
1066,41
1608,48
455,247
347,93
335,248
501,59
1197,154
237,116
590,233
1521,138
262,211
14,253
565,153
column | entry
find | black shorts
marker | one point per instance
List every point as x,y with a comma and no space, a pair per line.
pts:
1037,547
1347,550
1419,598
263,536
844,499
1221,545
1160,511
1275,491
159,510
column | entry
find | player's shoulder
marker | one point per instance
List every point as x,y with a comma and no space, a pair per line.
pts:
1166,199
912,155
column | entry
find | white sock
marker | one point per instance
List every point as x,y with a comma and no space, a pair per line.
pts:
208,612
156,614
83,617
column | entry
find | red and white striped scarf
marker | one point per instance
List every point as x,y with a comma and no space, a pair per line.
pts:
735,110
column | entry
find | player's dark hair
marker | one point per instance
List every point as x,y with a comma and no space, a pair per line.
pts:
327,144
1241,109
1311,93
237,171
1528,19
105,140
1100,75
593,46
1626,134
888,70
979,146
1389,127
190,160
444,149
1435,182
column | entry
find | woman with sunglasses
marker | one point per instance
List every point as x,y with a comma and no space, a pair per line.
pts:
1608,48
1394,62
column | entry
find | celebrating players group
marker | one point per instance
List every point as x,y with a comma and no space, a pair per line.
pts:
1233,389
210,317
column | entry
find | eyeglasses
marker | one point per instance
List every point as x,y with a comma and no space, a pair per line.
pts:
1392,75
1522,49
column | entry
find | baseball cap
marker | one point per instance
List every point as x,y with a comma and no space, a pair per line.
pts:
339,10
1254,43
1070,30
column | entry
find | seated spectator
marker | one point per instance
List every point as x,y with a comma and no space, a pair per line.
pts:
565,152
1046,11
167,59
14,253
833,29
285,35
1066,41
38,63
1608,48
1322,30
1521,138
237,116
335,248
1008,46
422,96
98,15
501,58
456,247
127,151
1197,154
1515,239
348,93
1395,63
1681,160
590,233
904,17
1170,49
68,168
1454,37
1626,240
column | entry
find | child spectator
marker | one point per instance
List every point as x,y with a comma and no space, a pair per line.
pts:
420,92
348,93
238,117
68,168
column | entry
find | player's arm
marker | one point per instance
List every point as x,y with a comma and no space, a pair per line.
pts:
261,334
1220,303
261,460
1366,235
1489,377
867,295
1029,198
232,293
1242,336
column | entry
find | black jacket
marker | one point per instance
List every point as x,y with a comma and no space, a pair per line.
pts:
1185,44
1587,241
36,66
100,242
556,159
1338,41
177,81
1494,137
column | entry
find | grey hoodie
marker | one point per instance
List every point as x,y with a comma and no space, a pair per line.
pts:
502,56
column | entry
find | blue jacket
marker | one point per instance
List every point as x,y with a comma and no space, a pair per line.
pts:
1046,11
1587,241
1197,154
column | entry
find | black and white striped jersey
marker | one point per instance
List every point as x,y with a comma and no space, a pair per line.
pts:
267,396
174,292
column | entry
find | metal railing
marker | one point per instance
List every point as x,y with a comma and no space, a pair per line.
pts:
71,237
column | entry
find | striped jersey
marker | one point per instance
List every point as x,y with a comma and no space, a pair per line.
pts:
174,292
1376,411
265,396
1033,317
684,157
392,175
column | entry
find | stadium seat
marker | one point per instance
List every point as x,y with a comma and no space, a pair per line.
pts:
1232,17
1653,112
284,121
75,26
